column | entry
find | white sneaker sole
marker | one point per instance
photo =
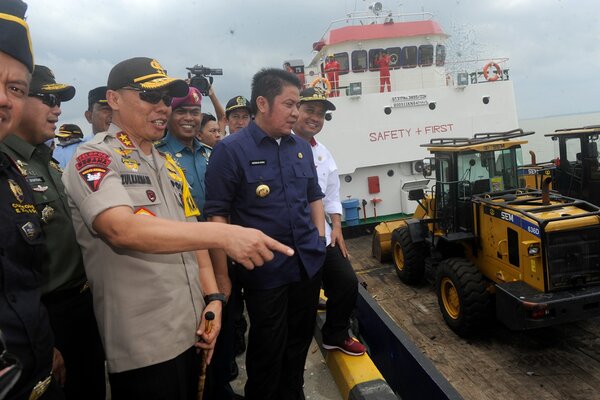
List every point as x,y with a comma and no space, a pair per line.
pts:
330,347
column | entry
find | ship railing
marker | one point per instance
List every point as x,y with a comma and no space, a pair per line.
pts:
382,17
473,70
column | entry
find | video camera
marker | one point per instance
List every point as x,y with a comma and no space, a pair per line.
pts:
200,77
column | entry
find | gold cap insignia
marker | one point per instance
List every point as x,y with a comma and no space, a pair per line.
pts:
156,65
263,190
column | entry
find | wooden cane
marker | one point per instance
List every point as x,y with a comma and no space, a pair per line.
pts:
209,316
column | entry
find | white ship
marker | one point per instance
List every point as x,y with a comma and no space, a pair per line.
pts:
375,137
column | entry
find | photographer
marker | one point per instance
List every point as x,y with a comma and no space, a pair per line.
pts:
200,78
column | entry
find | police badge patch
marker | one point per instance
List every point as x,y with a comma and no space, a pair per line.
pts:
93,176
97,158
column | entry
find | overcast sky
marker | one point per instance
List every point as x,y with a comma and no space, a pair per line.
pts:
552,44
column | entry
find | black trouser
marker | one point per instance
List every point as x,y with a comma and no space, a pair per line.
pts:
341,289
282,321
219,371
237,309
176,379
77,338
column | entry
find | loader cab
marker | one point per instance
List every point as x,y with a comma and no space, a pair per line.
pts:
578,165
471,167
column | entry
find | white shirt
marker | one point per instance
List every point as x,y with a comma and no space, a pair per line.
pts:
329,181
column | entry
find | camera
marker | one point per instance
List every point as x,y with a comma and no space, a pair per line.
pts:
200,77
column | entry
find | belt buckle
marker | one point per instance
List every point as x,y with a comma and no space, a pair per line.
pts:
40,388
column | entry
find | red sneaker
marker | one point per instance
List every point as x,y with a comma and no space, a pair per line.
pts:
351,346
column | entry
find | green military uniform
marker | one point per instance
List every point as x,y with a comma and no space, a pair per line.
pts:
63,265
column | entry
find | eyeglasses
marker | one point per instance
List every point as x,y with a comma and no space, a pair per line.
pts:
51,100
152,96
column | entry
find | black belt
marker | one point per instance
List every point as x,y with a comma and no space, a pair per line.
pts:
65,294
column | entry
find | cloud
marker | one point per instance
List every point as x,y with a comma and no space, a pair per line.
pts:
551,43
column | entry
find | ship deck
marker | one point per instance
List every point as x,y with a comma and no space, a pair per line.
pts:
561,362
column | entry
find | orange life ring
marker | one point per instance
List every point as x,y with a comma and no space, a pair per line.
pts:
324,81
486,71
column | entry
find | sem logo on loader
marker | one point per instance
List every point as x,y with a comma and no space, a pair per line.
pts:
513,219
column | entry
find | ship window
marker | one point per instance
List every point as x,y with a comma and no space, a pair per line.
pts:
373,53
359,60
425,55
409,57
394,53
342,58
440,55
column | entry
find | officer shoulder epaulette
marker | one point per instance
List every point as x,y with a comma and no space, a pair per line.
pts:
17,164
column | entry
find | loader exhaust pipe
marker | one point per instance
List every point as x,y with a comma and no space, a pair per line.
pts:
533,161
546,191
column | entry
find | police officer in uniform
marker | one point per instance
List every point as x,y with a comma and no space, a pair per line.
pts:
145,253
23,318
64,287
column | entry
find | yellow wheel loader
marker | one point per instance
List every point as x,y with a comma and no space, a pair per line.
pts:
531,257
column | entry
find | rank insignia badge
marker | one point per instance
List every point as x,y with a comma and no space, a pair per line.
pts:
47,214
130,163
16,190
125,140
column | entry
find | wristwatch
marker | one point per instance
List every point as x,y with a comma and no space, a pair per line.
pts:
215,297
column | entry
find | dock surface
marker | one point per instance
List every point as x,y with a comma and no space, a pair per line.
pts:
561,362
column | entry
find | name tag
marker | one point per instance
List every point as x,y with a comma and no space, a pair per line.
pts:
258,162
35,179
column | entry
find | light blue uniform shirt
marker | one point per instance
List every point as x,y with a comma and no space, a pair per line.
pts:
63,154
193,163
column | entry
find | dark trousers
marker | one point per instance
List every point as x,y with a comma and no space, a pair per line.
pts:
219,371
77,338
237,309
282,321
341,288
176,379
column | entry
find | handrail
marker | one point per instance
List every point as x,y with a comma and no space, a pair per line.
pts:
383,15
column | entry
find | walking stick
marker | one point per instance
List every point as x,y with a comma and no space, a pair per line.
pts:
209,316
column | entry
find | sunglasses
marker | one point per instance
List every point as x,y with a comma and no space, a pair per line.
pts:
51,100
152,96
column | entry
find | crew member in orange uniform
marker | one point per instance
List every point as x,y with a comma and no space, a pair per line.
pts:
332,68
383,64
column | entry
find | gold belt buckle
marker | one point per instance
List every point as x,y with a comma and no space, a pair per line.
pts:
40,388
